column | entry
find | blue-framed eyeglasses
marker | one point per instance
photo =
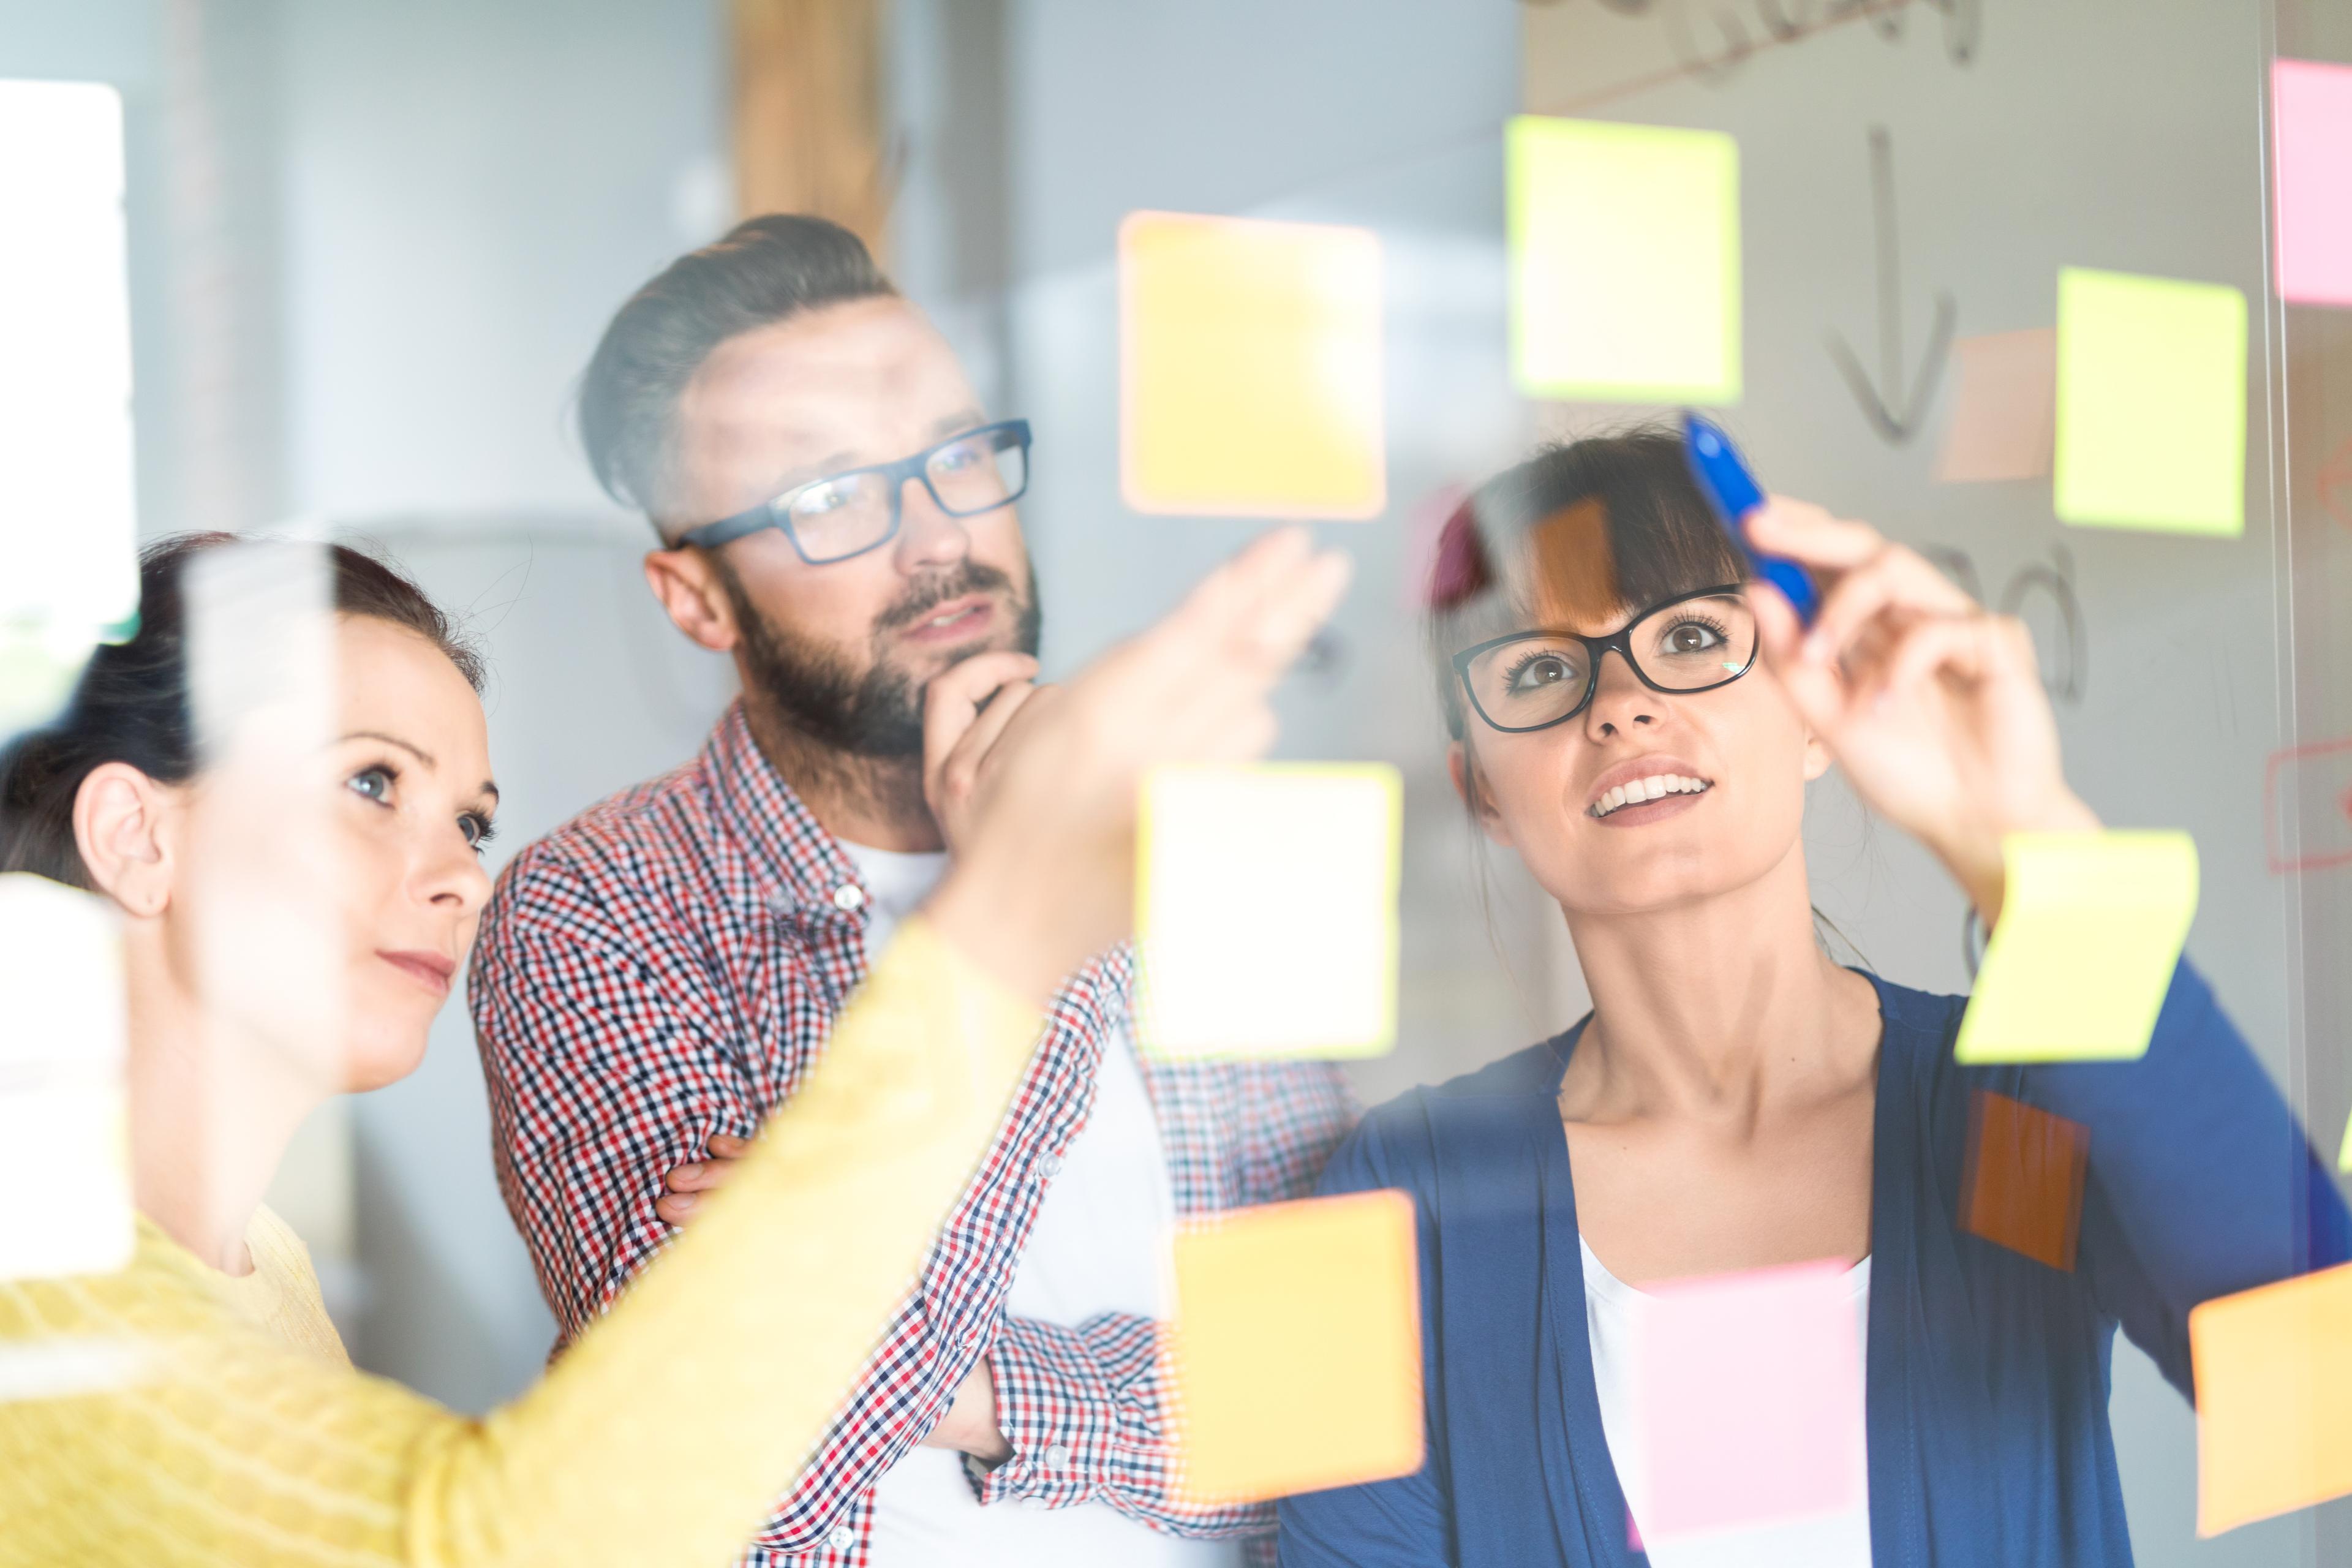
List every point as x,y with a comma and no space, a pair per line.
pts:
849,513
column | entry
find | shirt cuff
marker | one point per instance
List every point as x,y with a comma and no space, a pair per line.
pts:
1056,1412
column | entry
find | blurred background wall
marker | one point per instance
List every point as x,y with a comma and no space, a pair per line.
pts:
374,242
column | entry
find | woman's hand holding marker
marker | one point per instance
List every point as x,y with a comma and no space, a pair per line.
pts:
1932,704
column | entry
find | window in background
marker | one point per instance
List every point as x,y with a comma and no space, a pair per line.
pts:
67,574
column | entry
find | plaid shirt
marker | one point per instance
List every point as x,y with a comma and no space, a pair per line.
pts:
666,967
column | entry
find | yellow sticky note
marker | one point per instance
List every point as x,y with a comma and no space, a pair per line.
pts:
2091,927
2274,1375
1266,910
1250,361
1296,1348
1624,259
2151,404
64,1120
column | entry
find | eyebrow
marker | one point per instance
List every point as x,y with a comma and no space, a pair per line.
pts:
421,754
802,474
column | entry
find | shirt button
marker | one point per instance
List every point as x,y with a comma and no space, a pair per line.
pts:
1057,1458
848,896
1051,1164
839,1538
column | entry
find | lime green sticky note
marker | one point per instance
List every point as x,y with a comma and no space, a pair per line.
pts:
2091,927
1266,910
2344,1154
2151,404
1624,259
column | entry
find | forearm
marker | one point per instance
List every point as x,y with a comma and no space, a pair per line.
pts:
723,1337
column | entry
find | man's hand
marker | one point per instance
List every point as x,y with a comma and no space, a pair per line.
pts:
687,1184
966,710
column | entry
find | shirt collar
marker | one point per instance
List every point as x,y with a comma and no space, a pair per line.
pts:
795,855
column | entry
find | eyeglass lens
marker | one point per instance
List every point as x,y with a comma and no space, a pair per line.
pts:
851,512
1540,678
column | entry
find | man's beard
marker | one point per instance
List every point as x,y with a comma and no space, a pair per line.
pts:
877,715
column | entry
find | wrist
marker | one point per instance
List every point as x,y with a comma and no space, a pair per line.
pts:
1977,861
1000,923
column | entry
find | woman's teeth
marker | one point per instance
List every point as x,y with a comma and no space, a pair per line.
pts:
1640,790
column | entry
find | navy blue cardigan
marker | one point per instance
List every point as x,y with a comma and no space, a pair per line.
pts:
1988,1371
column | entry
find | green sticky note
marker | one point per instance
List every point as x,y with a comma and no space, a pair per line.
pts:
2151,404
2091,927
1266,910
1624,257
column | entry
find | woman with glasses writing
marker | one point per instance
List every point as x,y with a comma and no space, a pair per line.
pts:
1639,727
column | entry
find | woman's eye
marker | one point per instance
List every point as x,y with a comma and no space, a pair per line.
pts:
374,783
1544,671
476,830
1692,636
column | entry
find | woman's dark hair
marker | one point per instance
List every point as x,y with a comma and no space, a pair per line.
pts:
1608,523
765,270
131,704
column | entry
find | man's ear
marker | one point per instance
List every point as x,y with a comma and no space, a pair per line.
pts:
687,583
1463,768
126,828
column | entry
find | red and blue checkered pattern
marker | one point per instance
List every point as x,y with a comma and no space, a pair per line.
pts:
664,968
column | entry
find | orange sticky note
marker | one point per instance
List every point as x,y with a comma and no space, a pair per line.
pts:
2021,1186
2005,417
1296,1348
2273,1372
1250,367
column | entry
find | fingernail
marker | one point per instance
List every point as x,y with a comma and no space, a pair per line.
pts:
682,1201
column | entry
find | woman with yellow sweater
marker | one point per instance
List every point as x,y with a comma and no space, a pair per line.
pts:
246,1438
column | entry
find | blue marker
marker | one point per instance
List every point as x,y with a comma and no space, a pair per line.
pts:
1715,463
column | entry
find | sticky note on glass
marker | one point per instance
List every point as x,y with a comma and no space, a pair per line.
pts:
1625,261
2307,806
2004,414
2151,430
1266,910
2274,1375
1748,1390
1250,367
64,1128
2091,926
1296,1348
2311,205
2021,1179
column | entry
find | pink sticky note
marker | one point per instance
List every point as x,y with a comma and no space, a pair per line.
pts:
2307,806
2005,417
1633,1533
2311,136
1423,526
1751,1390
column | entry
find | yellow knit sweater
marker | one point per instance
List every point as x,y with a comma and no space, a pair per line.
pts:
661,1437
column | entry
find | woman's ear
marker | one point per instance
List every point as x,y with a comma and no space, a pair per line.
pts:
123,828
1464,769
1817,757
686,582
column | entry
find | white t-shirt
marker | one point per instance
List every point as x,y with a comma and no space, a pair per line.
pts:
1099,1246
1613,1312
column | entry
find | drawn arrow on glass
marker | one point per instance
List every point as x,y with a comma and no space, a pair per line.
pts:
1891,412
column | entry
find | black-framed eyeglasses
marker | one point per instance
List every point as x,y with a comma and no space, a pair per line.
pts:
849,513
1532,680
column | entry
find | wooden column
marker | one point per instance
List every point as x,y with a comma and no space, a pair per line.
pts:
808,113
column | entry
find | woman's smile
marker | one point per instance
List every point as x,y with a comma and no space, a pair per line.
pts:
1646,789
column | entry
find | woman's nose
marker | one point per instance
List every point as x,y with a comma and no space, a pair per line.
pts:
1620,700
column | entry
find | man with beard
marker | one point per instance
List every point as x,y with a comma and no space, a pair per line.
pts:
655,976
